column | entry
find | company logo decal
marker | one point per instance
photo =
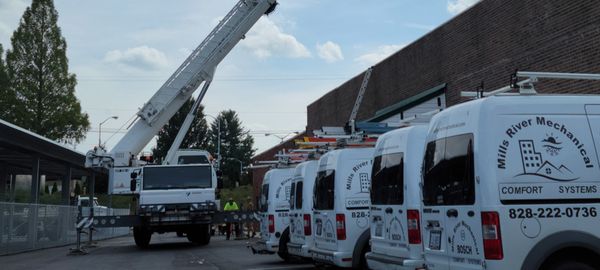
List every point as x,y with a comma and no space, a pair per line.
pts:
551,154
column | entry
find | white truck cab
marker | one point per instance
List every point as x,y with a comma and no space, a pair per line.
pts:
396,201
513,182
274,207
301,215
341,207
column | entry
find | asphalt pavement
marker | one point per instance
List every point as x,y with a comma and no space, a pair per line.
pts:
166,251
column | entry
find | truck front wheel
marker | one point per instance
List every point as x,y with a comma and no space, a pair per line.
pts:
142,237
200,236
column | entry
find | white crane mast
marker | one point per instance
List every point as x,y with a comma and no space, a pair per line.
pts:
197,69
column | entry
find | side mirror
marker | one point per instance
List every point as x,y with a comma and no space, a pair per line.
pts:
219,182
133,182
132,185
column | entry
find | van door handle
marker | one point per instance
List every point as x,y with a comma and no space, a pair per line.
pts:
389,210
452,213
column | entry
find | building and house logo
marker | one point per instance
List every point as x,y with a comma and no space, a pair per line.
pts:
535,164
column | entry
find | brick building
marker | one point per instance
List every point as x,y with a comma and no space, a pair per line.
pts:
484,44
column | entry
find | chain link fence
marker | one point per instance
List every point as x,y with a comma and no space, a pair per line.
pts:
25,227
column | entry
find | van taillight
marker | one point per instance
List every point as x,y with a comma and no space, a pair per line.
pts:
307,226
492,239
271,223
414,227
340,225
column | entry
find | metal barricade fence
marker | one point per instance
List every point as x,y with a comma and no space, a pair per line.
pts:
25,227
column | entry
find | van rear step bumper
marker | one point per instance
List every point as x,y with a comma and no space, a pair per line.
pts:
299,250
341,259
381,261
262,247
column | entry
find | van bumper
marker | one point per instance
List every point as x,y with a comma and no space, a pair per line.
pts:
381,261
341,259
299,250
264,247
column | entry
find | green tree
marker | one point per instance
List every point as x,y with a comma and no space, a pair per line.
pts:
236,144
46,189
39,76
196,137
7,97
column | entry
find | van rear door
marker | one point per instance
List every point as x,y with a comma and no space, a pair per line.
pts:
451,220
389,231
324,214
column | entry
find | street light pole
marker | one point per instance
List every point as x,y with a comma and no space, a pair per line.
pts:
281,137
100,129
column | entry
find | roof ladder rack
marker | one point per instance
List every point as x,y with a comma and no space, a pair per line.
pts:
526,87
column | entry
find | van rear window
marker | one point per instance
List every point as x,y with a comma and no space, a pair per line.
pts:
292,196
263,204
324,190
387,180
298,203
448,176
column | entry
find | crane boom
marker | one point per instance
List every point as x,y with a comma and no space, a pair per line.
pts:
198,68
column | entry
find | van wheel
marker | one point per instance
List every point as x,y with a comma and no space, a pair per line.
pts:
360,250
283,241
200,236
142,237
571,265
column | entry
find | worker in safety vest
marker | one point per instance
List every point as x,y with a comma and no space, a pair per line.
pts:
231,206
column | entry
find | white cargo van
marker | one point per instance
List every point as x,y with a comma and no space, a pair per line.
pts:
274,207
396,201
513,182
300,230
341,207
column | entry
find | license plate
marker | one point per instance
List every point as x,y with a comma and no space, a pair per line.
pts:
323,257
435,239
379,229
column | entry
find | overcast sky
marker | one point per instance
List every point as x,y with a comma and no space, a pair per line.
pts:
123,51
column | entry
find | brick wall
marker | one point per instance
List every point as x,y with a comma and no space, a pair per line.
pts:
486,43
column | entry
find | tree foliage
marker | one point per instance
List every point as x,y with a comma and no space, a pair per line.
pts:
236,143
7,97
196,137
39,77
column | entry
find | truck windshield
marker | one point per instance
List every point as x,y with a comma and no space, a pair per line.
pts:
263,204
448,176
324,190
192,160
177,177
388,179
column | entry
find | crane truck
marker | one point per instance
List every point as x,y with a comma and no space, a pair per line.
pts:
180,194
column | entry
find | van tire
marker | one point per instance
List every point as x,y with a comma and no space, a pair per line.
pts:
571,265
361,248
142,237
283,241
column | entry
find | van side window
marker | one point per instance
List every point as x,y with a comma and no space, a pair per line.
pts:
324,190
388,179
264,198
448,176
298,202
